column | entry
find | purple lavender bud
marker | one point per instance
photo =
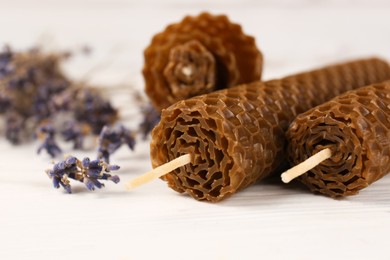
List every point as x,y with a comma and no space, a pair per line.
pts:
130,142
113,167
94,168
66,187
71,160
5,59
115,178
56,182
92,109
17,84
15,123
59,166
73,132
89,184
53,150
94,172
85,162
103,155
5,103
97,184
150,120
92,183
47,129
94,164
49,144
112,138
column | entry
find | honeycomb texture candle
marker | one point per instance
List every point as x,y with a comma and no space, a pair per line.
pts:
196,56
355,126
236,136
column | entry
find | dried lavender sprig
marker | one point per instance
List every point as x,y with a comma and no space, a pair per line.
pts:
5,62
42,100
62,171
14,127
151,117
5,103
75,132
86,171
112,138
47,132
95,170
93,109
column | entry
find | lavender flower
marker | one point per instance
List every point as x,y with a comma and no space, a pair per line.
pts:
62,171
62,102
42,107
91,108
86,171
47,132
150,120
28,81
112,138
14,127
75,132
5,62
5,103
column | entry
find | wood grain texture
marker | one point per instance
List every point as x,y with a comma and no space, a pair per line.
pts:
268,220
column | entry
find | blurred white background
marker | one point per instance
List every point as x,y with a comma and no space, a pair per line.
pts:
293,35
266,221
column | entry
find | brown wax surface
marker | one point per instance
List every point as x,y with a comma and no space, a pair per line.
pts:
356,127
235,59
237,136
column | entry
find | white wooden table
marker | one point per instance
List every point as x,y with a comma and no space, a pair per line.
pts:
266,221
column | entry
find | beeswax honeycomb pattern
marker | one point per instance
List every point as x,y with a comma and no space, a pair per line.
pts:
356,127
237,58
236,136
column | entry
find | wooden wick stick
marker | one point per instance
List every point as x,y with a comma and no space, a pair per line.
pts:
159,171
306,165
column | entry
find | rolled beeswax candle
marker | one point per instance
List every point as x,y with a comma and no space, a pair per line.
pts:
236,136
355,127
197,56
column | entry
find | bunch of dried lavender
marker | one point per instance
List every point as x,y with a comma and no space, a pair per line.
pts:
34,89
27,80
86,171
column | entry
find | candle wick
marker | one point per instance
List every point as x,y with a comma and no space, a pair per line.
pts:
159,171
306,165
187,71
